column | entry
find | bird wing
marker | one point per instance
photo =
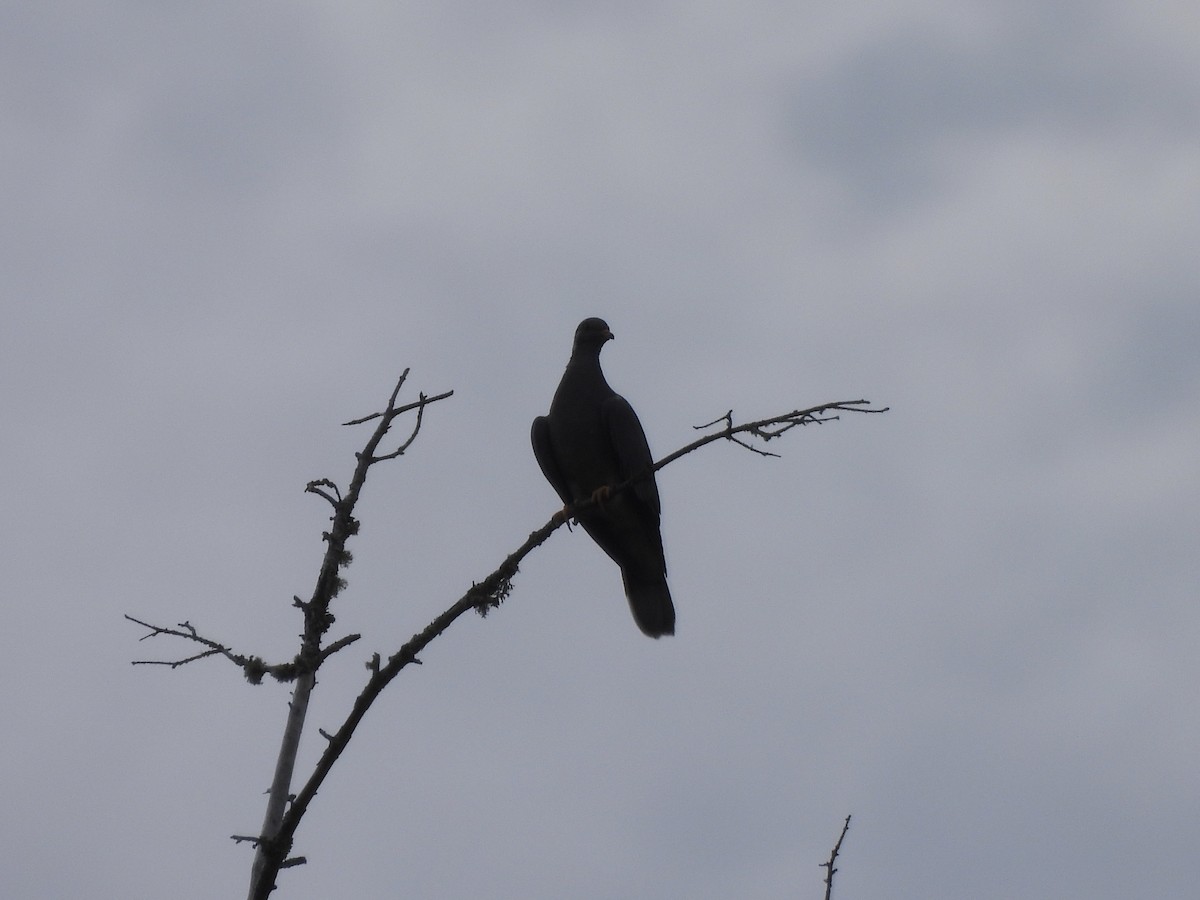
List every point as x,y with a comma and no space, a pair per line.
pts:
543,450
630,449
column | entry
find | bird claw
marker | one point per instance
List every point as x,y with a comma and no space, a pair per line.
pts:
563,515
600,494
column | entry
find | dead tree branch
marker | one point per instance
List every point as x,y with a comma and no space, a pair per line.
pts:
268,858
830,866
284,811
483,596
771,428
253,667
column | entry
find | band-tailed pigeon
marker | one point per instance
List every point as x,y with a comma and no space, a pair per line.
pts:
592,441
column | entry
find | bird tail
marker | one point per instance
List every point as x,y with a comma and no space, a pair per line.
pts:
650,602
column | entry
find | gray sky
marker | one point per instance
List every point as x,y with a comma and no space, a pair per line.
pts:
972,622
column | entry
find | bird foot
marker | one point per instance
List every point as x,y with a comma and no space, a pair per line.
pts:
601,494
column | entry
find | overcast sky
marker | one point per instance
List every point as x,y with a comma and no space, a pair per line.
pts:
972,622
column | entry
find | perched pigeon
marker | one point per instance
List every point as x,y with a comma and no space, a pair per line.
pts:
592,441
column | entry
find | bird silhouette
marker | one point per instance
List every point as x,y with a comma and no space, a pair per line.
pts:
590,442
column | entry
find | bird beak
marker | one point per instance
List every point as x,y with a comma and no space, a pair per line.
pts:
609,336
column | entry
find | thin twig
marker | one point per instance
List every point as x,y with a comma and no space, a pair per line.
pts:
400,410
188,632
814,415
830,866
253,667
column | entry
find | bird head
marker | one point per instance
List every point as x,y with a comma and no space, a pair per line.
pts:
592,333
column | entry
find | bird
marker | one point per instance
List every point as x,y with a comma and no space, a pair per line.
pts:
590,442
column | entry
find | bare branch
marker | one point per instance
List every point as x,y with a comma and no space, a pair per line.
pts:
727,419
763,430
399,451
339,644
830,866
271,854
188,632
391,401
174,664
253,667
285,811
483,596
394,410
315,487
272,850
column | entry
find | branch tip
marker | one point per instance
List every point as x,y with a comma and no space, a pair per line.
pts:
831,866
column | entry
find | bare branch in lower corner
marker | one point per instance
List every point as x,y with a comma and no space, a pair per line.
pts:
831,865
